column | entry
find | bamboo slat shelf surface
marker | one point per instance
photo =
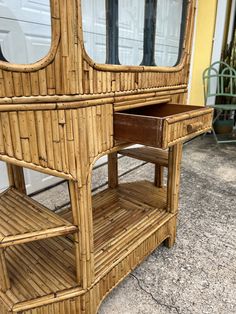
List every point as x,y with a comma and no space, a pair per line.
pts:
24,220
39,270
122,217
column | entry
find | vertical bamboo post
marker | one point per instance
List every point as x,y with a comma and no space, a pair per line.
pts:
112,170
86,231
81,203
76,221
16,177
159,174
174,164
4,278
173,184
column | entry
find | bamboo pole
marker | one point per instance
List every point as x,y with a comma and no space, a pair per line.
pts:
174,164
16,177
112,170
32,166
4,278
159,173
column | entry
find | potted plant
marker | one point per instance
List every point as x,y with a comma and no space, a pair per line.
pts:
225,123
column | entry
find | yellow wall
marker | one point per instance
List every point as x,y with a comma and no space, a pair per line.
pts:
205,27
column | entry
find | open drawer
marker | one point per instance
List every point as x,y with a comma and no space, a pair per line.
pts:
161,125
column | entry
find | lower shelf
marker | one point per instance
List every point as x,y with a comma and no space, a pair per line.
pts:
123,218
39,269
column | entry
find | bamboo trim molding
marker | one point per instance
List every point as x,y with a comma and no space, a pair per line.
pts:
118,96
32,166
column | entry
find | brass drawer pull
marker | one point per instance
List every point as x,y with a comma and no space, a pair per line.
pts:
194,127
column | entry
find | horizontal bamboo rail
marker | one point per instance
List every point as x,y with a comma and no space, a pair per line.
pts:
117,96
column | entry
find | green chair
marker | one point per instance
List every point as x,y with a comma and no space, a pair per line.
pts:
219,80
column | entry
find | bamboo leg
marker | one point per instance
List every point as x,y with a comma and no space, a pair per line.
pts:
169,242
112,170
16,177
174,164
159,174
4,278
76,221
81,203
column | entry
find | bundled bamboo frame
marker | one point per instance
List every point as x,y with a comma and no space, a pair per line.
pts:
56,117
68,70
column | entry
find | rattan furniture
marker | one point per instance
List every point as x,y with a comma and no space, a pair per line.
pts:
58,116
219,81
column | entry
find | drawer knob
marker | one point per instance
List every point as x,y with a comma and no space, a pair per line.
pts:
194,127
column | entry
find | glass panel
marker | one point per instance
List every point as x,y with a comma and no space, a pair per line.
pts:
94,29
143,32
25,30
168,32
4,184
131,25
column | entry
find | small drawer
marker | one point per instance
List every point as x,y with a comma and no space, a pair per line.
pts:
161,125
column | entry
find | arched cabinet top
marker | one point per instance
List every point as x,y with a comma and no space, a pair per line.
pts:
68,70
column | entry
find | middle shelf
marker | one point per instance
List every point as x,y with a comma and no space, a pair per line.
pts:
25,220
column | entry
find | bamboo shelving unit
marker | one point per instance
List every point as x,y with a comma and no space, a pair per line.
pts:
58,116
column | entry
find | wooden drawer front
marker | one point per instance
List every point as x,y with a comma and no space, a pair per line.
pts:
161,125
186,129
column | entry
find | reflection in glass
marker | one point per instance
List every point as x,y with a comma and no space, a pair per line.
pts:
94,29
168,31
131,26
134,32
149,32
112,37
25,30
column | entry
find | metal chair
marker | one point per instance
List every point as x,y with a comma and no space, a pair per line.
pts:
219,80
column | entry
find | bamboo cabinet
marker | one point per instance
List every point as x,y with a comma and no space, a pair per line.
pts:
58,116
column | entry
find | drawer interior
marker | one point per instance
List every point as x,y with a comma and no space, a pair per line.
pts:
161,110
161,125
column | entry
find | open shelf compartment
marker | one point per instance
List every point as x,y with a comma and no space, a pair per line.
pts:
24,220
123,218
40,270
